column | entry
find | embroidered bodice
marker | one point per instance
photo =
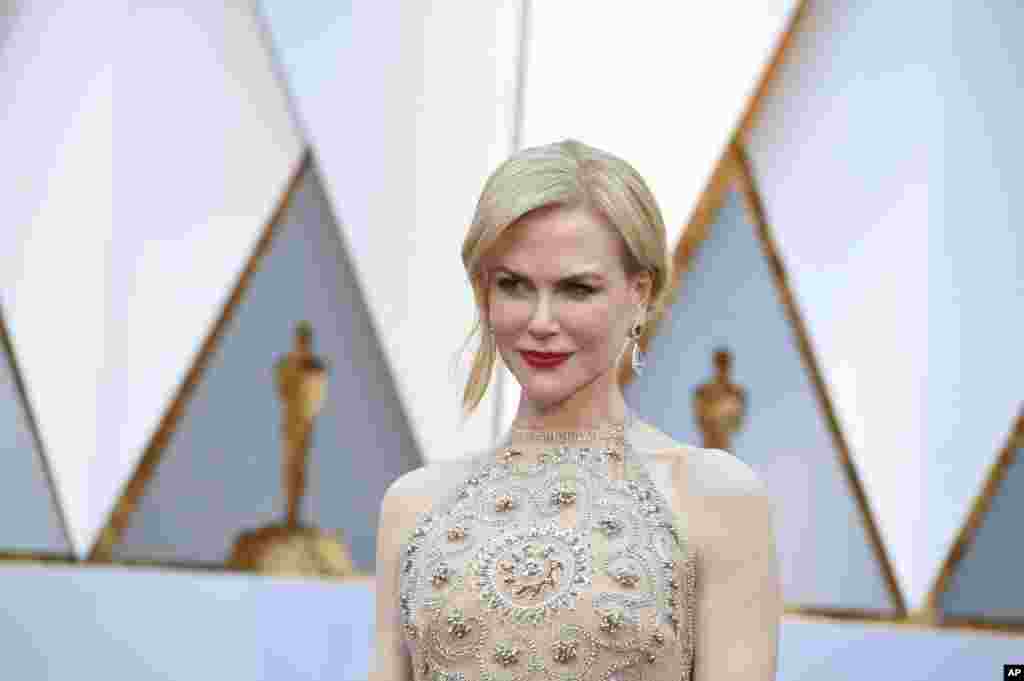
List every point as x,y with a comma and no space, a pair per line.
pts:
563,563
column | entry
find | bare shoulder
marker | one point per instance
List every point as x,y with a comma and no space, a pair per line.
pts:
413,493
418,489
723,504
717,473
700,471
429,478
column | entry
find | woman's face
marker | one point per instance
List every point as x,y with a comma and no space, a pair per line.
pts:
537,303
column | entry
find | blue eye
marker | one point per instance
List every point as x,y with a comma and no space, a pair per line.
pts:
581,290
507,284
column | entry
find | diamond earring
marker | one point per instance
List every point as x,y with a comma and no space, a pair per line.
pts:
638,357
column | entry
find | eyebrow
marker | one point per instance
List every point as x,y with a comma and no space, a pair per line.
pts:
572,277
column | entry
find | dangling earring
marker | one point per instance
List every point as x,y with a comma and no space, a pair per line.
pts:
638,358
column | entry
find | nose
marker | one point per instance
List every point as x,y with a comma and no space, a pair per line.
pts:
542,322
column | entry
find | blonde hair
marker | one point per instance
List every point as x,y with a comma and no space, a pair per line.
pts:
569,174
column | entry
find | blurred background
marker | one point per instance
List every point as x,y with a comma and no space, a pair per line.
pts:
838,182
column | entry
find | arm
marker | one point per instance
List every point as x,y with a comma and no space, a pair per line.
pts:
739,600
395,523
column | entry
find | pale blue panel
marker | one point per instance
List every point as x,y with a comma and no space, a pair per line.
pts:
888,152
60,623
729,299
976,302
29,520
812,651
976,246
124,624
987,583
221,471
306,39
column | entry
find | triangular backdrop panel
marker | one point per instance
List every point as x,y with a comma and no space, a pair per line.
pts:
683,75
58,166
29,519
986,584
166,208
916,318
220,473
729,298
409,106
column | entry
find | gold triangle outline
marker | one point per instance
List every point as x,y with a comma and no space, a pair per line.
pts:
913,621
982,504
7,349
134,490
930,616
755,209
733,170
783,50
710,200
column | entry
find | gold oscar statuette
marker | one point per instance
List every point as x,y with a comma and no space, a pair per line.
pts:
291,548
719,405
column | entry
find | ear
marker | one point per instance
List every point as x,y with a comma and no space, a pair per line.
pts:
482,276
643,285
482,294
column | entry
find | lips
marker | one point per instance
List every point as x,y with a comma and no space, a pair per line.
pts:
544,359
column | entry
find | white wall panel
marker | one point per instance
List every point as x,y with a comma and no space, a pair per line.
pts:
885,157
226,454
124,245
58,203
728,297
203,150
408,107
848,186
660,84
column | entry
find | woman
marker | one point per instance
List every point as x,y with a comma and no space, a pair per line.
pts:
587,544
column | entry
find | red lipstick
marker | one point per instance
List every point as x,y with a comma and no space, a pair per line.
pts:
544,360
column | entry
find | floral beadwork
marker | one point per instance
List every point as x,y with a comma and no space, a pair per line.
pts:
493,579
530,573
565,495
510,455
610,526
612,621
613,454
441,575
564,652
626,578
506,654
504,503
457,626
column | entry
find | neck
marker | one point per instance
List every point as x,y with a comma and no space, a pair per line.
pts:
571,416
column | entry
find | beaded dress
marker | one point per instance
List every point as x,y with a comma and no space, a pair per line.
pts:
563,564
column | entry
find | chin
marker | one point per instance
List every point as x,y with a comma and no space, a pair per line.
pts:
546,391
549,396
